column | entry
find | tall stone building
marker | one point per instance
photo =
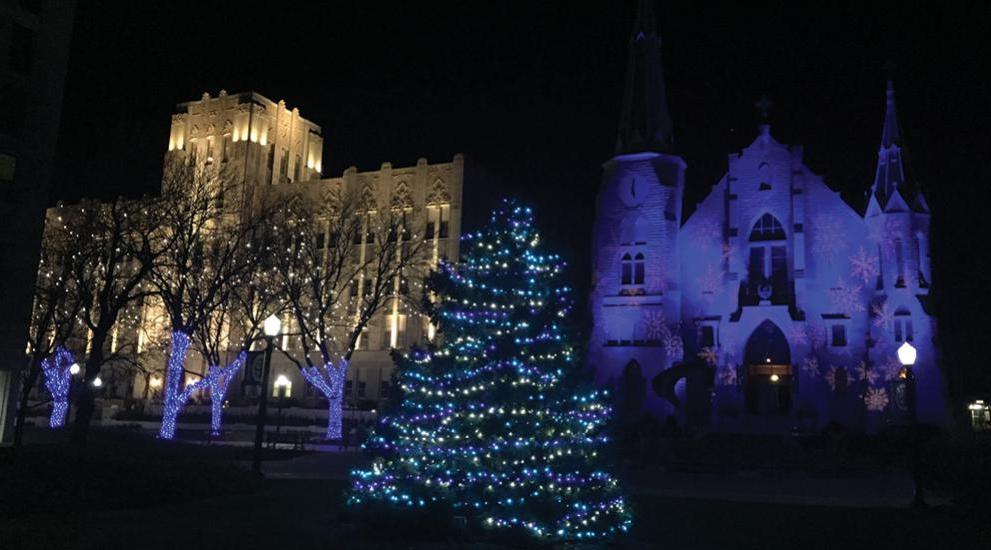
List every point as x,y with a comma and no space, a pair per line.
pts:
774,305
261,143
34,54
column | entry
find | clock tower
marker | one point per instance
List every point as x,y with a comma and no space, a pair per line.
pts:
635,300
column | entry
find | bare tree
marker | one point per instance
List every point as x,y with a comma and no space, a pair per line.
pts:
112,257
201,242
340,261
53,322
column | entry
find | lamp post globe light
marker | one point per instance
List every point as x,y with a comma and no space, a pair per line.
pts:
271,328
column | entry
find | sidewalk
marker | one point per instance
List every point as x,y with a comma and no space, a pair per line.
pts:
891,489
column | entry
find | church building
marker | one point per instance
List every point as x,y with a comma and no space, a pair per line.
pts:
775,306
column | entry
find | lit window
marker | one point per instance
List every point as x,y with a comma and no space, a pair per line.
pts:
903,326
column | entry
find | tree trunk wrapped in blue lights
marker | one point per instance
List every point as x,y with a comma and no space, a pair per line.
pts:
493,423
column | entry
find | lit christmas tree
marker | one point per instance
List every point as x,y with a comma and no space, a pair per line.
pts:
493,423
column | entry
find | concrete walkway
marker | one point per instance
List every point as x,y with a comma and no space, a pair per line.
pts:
892,489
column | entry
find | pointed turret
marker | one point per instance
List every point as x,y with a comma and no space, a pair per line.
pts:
645,124
890,189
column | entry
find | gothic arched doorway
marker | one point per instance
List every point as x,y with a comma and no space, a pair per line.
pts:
768,370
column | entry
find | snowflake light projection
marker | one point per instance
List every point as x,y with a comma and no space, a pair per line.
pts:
727,375
810,366
846,299
885,233
864,266
876,399
58,379
711,283
883,315
798,335
827,237
890,369
655,326
830,377
709,355
674,346
867,374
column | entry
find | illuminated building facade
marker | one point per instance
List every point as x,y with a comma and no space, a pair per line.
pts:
775,304
256,143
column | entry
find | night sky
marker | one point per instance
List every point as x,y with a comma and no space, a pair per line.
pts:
530,93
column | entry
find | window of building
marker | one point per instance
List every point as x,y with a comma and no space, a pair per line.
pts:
20,56
361,388
626,277
348,387
430,229
900,263
227,151
707,337
354,288
321,241
903,325
767,228
638,269
444,222
299,167
837,335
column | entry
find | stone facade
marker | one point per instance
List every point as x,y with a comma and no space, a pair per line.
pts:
774,305
261,143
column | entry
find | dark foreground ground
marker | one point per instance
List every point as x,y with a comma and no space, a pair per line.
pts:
135,493
304,514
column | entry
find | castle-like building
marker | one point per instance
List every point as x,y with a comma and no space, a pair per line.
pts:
775,305
257,143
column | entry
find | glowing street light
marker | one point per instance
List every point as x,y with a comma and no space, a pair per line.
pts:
271,327
97,382
74,369
907,354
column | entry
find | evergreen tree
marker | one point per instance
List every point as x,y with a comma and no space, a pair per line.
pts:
493,423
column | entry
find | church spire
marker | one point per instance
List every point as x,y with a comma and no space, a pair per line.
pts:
645,124
889,179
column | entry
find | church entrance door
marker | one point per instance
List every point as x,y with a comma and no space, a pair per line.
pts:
769,384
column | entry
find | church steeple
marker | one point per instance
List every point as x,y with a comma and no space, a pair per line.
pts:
645,124
890,189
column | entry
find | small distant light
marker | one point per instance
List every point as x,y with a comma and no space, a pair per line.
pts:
767,360
775,378
74,368
97,382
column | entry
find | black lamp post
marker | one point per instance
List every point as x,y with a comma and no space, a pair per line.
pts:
271,328
906,356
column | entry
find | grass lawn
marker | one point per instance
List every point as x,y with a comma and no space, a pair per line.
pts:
304,514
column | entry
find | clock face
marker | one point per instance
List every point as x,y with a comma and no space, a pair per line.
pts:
633,190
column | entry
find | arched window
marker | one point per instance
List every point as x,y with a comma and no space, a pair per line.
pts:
627,270
638,269
767,228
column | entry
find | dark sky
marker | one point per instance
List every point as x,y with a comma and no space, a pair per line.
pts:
530,92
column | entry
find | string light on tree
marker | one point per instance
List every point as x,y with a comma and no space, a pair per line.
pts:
58,371
493,422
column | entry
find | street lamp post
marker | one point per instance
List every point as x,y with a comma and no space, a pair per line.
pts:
906,356
271,328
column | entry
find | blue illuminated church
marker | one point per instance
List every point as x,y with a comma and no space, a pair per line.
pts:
775,305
